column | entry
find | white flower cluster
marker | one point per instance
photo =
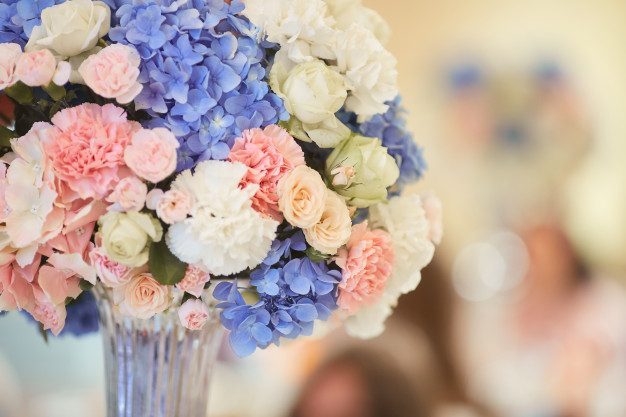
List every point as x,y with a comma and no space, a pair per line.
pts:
327,46
411,228
224,233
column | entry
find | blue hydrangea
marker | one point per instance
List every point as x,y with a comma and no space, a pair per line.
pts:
292,294
202,69
390,127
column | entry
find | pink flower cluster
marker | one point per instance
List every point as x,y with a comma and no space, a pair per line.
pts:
59,180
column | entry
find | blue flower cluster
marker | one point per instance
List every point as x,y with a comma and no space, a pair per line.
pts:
202,69
292,294
391,129
19,17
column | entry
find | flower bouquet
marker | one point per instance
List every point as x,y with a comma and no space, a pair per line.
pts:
202,161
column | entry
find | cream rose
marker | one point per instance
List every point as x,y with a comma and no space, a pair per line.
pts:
302,197
334,228
143,297
71,28
126,237
313,92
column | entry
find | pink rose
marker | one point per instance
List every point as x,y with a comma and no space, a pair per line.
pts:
86,148
36,69
194,281
152,154
111,273
153,198
143,297
113,73
366,263
129,195
174,206
269,154
9,56
193,314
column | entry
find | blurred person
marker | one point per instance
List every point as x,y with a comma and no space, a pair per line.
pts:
555,347
359,382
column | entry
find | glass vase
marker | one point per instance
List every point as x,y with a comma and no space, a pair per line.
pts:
156,367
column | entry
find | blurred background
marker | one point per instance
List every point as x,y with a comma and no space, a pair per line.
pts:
520,108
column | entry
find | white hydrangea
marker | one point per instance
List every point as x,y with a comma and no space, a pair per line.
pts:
303,28
406,221
349,12
224,233
370,71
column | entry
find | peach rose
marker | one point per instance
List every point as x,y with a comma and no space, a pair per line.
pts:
174,206
334,228
193,314
366,264
111,273
194,281
113,73
143,297
302,197
36,69
129,195
9,56
152,154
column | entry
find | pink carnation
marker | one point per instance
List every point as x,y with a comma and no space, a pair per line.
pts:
366,263
86,148
129,195
36,69
113,73
9,56
193,314
269,154
194,281
152,154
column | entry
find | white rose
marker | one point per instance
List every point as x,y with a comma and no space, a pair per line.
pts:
312,91
348,12
71,28
334,228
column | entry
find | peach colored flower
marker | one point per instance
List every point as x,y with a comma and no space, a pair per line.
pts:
194,281
152,154
9,56
129,195
366,263
113,73
143,297
193,314
302,197
269,154
111,273
174,206
334,228
36,69
86,148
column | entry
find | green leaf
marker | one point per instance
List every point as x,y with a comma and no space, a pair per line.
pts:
164,266
20,92
6,135
43,333
315,255
55,92
85,285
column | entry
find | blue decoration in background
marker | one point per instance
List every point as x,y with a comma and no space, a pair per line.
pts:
292,294
391,128
202,70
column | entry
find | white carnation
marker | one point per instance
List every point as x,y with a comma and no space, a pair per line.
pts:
405,219
349,12
370,71
224,233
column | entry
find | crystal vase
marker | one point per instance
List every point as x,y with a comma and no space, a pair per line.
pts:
156,367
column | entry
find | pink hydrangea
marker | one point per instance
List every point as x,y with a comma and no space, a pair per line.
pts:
152,154
113,73
193,314
269,154
194,281
366,263
86,148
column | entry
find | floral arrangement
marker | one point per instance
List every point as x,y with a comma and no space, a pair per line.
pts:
207,156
